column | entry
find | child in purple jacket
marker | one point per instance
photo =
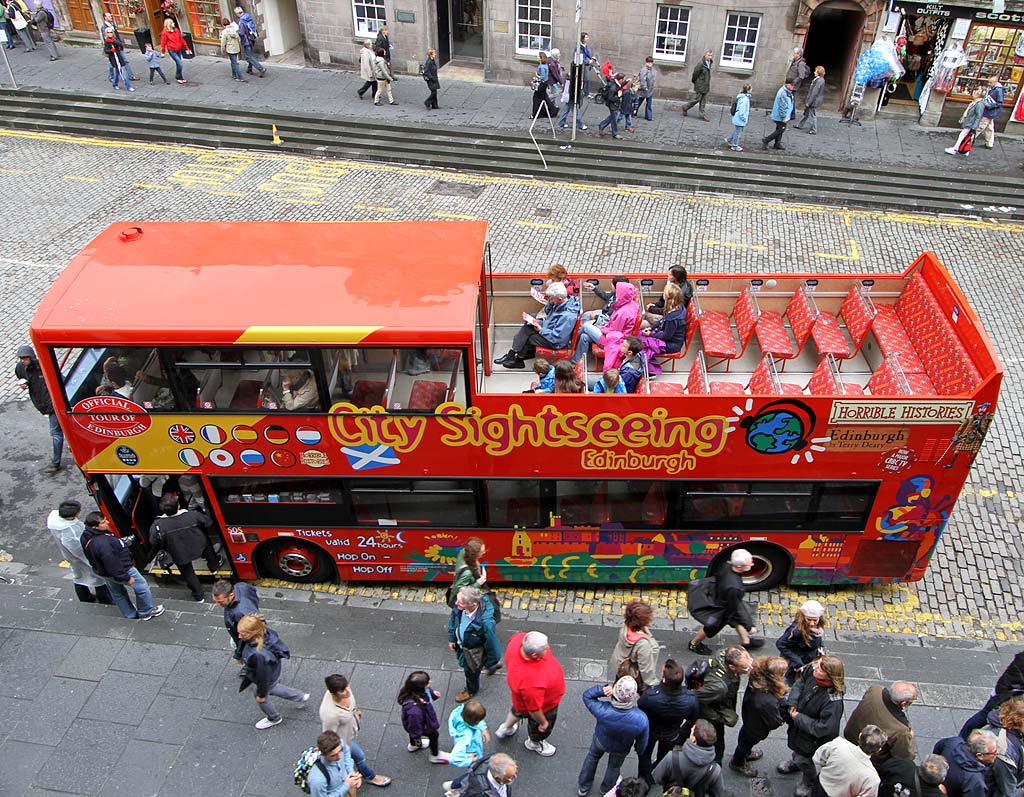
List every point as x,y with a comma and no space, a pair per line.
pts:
419,717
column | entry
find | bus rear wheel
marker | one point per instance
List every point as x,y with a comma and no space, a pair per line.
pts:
771,566
294,560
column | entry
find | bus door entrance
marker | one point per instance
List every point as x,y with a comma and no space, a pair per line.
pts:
132,503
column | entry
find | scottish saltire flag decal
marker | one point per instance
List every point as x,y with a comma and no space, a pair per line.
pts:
369,456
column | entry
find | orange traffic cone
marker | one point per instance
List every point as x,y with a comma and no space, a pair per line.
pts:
276,137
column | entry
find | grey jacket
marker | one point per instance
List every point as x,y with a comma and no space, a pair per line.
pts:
972,116
648,74
816,93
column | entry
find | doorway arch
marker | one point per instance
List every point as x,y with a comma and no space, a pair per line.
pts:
835,29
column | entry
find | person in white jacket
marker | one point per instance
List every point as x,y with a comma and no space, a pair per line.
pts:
67,529
366,71
845,769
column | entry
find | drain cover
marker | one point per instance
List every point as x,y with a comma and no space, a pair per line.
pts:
449,188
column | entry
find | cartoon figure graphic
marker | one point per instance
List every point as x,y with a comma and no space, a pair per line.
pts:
969,436
915,513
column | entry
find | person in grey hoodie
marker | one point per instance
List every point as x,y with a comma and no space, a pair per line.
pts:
693,766
969,122
648,74
66,528
813,101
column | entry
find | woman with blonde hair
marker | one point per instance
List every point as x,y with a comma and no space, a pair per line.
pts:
762,711
801,642
668,335
262,652
815,708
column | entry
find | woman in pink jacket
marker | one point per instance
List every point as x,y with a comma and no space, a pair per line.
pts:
623,322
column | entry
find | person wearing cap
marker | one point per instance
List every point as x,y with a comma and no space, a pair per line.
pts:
729,592
30,378
886,708
800,643
620,725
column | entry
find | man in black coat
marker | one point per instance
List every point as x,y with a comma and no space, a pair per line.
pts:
112,561
1010,684
729,592
183,534
667,706
30,378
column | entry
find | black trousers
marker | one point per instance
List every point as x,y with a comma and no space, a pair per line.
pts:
780,128
369,85
432,739
431,101
533,729
744,745
85,595
188,573
527,340
648,761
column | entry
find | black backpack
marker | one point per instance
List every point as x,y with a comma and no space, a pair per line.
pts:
697,673
50,20
732,108
610,93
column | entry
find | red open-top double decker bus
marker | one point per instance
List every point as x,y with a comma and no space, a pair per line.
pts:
326,391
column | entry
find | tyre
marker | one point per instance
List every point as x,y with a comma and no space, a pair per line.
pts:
294,560
771,566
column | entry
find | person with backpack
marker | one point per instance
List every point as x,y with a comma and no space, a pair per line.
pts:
1005,776
611,95
45,22
429,72
740,112
539,84
491,777
249,36
113,562
798,70
18,15
701,80
730,608
327,769
262,652
470,623
970,121
691,767
761,711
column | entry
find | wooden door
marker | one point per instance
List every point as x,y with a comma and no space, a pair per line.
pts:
81,15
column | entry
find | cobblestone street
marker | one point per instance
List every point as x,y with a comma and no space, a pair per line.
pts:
70,189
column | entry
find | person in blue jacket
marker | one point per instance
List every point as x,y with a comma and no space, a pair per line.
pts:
620,726
334,774
470,625
782,112
740,118
610,382
560,316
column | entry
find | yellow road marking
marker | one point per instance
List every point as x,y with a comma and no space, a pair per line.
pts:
15,171
758,247
539,224
621,234
854,253
81,179
459,216
374,207
153,185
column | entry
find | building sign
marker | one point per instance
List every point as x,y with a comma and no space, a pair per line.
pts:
954,12
899,413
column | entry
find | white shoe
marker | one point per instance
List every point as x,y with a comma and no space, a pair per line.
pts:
157,611
440,758
504,730
415,748
736,149
447,785
305,699
950,150
541,748
266,722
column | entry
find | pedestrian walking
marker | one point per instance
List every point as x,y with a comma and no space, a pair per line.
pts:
537,684
468,729
701,80
717,695
491,777
782,112
800,643
12,34
636,651
110,22
382,70
30,378
539,84
332,774
340,713
969,762
970,122
383,42
587,58
568,102
668,706
627,103
66,529
45,22
262,653
740,117
469,624
813,101
728,606
419,717
471,572
761,711
886,708
429,72
691,766
173,44
231,45
815,710
237,601
1009,684
112,561
184,534
366,71
798,70
647,78
249,35
153,59
994,99
612,95
619,726
844,769
19,18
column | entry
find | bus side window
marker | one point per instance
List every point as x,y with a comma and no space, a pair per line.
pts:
511,503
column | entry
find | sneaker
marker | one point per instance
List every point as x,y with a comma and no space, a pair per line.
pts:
305,698
543,747
155,613
802,791
131,88
413,748
200,599
440,758
728,142
736,149
380,780
755,755
504,730
743,769
618,137
263,72
584,127
585,792
266,722
950,150
700,649
447,786
787,767
812,132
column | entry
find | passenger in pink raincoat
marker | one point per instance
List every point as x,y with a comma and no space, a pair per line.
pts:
623,322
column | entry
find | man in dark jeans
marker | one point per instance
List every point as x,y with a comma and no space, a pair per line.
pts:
183,533
30,378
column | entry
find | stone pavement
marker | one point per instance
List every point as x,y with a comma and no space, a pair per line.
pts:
896,142
91,704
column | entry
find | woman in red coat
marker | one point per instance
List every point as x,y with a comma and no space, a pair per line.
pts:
173,43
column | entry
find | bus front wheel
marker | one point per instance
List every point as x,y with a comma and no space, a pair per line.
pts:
293,560
771,566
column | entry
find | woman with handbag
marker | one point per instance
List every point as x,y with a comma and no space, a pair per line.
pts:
471,572
726,606
636,651
969,123
173,44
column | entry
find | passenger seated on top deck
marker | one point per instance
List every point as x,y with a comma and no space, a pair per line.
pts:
668,335
600,317
298,390
677,275
559,321
633,358
622,323
115,380
546,372
610,382
566,379
557,273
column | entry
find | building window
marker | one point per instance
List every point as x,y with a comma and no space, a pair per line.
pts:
533,25
990,51
740,40
204,16
369,16
673,26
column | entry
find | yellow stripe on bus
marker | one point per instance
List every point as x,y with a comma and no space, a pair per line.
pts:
286,335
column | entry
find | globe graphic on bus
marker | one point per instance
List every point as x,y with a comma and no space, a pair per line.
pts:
775,432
